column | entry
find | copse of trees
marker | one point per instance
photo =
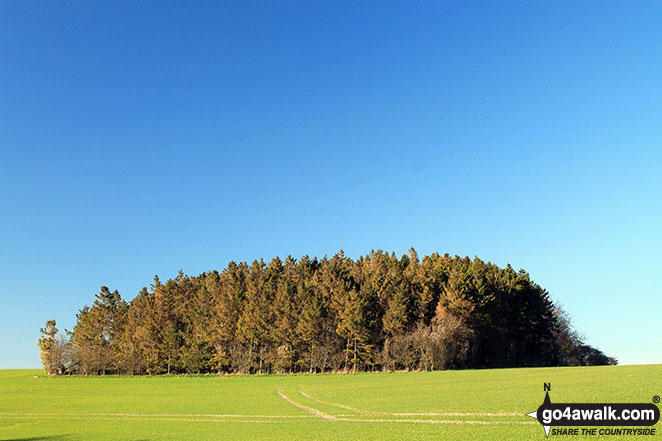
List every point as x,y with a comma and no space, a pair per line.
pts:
315,315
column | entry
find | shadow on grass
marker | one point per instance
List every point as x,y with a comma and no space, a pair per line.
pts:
40,438
55,438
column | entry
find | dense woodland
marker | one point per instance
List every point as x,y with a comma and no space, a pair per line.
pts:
378,312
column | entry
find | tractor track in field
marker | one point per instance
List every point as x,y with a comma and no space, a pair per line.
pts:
214,418
311,410
344,418
357,416
137,418
154,415
369,412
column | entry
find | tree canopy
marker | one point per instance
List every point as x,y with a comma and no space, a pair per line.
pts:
314,315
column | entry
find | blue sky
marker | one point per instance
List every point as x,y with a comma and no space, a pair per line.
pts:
143,137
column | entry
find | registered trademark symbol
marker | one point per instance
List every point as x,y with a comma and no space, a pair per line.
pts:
656,399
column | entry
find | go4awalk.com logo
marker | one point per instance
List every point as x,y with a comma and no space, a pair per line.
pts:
614,418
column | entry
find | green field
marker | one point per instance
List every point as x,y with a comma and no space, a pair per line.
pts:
443,405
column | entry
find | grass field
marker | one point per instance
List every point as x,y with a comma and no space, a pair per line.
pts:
448,405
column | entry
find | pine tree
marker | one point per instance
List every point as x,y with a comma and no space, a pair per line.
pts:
314,315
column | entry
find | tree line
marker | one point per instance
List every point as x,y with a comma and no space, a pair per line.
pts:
378,312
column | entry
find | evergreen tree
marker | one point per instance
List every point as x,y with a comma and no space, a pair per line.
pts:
379,311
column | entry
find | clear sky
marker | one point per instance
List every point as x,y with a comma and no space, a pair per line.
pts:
143,137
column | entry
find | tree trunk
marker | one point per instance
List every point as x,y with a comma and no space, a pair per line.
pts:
312,348
354,357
